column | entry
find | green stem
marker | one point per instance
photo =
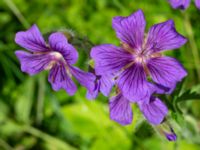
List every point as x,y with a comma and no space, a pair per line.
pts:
5,145
40,99
194,49
17,13
56,143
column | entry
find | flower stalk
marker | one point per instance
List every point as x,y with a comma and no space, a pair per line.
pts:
192,43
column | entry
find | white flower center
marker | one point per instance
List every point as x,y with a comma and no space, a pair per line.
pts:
56,58
141,58
57,55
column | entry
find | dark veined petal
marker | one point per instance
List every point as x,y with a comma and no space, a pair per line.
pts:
58,42
59,79
31,40
130,30
109,58
94,93
158,89
179,4
33,63
133,84
86,79
154,111
163,36
103,84
106,85
120,110
197,3
166,71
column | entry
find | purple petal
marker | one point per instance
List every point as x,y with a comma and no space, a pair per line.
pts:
133,84
154,111
179,4
120,110
163,36
33,63
86,79
59,43
103,84
166,71
106,85
109,58
171,136
158,89
94,93
31,40
155,89
130,30
59,78
197,3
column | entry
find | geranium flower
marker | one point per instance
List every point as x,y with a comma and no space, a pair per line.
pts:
183,4
58,56
139,58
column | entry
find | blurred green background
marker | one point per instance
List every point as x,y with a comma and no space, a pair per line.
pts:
34,117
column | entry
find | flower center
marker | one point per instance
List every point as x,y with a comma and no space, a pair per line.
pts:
56,58
140,58
56,55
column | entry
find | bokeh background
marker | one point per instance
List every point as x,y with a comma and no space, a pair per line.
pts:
34,117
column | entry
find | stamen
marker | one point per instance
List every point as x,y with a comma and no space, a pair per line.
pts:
139,59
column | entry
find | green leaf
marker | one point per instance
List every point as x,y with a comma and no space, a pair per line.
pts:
24,100
191,94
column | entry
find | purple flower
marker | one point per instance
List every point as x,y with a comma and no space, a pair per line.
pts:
183,4
171,136
139,57
166,129
58,56
121,111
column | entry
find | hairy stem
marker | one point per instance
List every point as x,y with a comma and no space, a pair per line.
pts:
192,42
56,143
17,13
40,99
5,145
